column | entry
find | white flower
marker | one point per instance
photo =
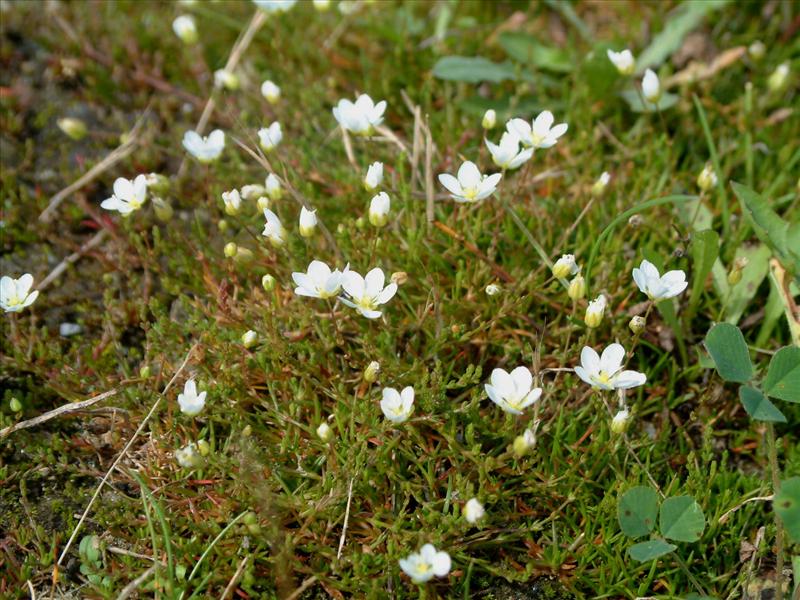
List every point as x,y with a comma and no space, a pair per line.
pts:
308,222
128,195
190,401
379,209
185,28
324,432
508,155
188,457
322,5
565,266
15,294
471,185
249,338
252,191
651,87
489,119
274,6
659,287
605,372
707,178
423,566
227,79
623,60
374,176
270,137
233,202
540,133
620,421
367,293
601,184
473,510
513,392
397,406
273,229
270,91
205,149
595,311
319,281
272,186
361,117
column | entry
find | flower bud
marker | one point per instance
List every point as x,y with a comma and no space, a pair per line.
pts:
379,210
489,119
324,432
707,179
230,249
619,424
595,311
322,5
651,87
74,128
371,372
263,203
473,510
757,50
308,222
243,255
565,266
601,184
188,457
636,221
185,28
399,278
203,448
249,339
144,371
226,79
15,405
252,191
523,443
777,81
157,183
270,91
637,324
273,186
268,282
250,521
232,201
735,274
361,223
493,289
577,288
163,209
374,176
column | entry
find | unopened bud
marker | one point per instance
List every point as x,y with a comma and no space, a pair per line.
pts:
227,79
15,405
619,424
595,311
601,184
361,223
757,50
203,448
523,443
489,119
163,209
144,371
222,225
263,203
230,249
399,277
707,179
74,128
371,372
565,266
243,255
636,221
777,81
637,324
577,288
157,183
268,282
493,289
249,339
735,275
324,432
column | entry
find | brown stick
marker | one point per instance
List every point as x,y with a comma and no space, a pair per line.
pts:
56,412
72,258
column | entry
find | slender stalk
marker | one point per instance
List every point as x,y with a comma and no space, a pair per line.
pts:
776,484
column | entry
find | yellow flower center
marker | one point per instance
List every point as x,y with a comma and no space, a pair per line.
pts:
470,193
536,139
366,302
602,378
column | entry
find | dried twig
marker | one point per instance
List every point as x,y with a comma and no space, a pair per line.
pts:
235,578
72,258
303,587
134,585
57,412
116,155
346,519
121,456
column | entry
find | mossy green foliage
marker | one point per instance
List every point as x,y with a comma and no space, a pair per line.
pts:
150,291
